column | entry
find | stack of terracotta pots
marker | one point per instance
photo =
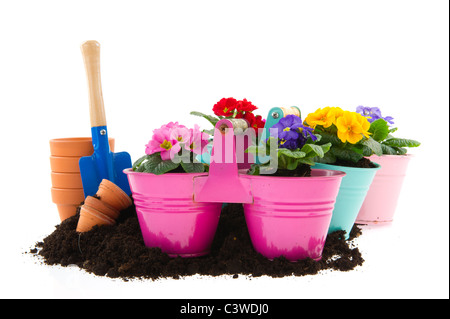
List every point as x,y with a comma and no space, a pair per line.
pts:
67,188
104,208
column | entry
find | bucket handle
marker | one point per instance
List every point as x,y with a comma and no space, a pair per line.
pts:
223,184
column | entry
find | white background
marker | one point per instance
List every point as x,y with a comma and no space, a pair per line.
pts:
162,59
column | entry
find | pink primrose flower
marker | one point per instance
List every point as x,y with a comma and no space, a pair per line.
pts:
198,140
163,141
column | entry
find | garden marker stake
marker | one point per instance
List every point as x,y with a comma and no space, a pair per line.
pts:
103,164
274,116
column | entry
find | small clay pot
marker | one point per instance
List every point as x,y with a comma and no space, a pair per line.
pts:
90,217
65,164
66,180
74,146
67,201
67,196
66,211
113,195
102,207
67,192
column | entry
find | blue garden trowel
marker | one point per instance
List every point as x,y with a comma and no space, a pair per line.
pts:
103,164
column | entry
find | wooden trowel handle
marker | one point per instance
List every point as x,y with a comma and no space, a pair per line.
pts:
91,56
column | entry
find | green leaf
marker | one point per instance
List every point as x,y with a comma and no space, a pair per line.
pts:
157,166
326,147
367,151
345,154
401,142
257,150
392,130
328,158
308,161
292,154
298,154
358,148
374,146
390,136
193,167
211,119
388,150
401,150
254,169
140,168
316,150
318,139
139,162
330,138
292,163
209,132
252,149
379,130
282,161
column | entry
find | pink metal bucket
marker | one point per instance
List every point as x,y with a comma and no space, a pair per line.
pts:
381,201
290,216
168,216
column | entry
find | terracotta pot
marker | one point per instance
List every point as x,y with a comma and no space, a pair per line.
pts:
66,211
67,191
67,201
74,146
102,207
90,217
65,164
113,195
66,180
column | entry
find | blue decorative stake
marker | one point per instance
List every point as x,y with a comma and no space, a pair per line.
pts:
274,116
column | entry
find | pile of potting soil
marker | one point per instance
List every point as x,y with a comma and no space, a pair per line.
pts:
118,251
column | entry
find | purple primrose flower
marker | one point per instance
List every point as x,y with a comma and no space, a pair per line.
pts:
292,134
373,114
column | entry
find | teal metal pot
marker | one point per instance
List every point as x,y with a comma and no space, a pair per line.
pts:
352,192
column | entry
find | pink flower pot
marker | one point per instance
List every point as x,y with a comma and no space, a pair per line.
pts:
168,216
381,201
290,216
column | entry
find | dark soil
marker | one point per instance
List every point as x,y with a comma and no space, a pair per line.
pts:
362,163
119,252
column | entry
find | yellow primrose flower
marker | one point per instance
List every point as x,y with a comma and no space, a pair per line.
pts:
350,127
337,112
365,124
324,117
